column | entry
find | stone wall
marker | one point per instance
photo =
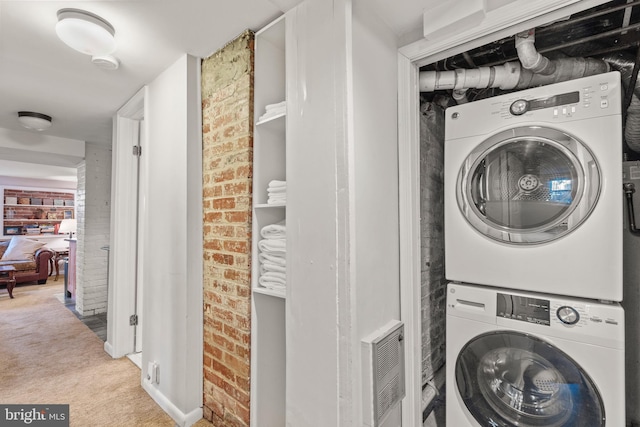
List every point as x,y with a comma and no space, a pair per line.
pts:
227,104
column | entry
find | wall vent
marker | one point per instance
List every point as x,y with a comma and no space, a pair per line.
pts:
383,372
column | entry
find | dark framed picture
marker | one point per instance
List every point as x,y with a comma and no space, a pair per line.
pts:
12,231
68,214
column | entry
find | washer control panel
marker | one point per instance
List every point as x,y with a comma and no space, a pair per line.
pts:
525,309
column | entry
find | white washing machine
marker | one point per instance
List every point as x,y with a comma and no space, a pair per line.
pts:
533,189
526,359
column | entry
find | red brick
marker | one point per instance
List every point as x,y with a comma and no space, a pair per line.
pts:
241,217
226,203
236,246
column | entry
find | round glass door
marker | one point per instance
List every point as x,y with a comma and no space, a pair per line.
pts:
528,185
508,378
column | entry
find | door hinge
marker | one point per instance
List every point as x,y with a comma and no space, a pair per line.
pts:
133,320
137,150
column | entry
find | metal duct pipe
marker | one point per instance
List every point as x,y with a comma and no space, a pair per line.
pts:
564,69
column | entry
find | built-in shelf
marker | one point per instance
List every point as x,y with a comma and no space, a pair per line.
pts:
270,292
25,206
270,205
273,120
268,306
31,220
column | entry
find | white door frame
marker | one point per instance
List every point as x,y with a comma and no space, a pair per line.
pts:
513,17
122,254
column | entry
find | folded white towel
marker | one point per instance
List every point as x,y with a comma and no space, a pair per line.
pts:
273,280
272,285
274,231
267,266
273,246
274,259
274,106
277,191
276,183
273,110
275,276
277,200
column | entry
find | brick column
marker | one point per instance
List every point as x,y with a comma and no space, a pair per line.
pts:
227,104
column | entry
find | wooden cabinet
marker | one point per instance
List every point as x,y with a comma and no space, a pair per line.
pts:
268,305
34,211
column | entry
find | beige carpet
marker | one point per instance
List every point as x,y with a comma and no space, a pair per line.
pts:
48,356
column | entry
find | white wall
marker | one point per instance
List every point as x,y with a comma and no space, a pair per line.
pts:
317,259
376,287
342,223
172,245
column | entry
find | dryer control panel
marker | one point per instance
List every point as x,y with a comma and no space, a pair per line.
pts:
580,99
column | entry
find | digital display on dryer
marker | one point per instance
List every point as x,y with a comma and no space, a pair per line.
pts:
524,309
554,101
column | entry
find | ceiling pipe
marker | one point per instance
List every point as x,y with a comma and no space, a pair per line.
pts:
532,70
529,57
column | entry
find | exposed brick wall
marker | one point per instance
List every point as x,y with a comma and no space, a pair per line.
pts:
433,283
94,216
227,108
21,213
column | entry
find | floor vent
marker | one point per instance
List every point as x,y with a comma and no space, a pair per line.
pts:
383,372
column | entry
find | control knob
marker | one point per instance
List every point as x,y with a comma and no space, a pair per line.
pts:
568,315
519,107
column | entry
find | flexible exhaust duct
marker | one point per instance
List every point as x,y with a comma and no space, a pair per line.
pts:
632,120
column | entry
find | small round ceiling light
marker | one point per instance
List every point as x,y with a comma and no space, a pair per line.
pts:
106,62
34,121
85,32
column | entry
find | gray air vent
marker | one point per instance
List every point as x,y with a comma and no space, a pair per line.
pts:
383,372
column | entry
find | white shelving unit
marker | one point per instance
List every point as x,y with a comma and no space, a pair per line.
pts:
268,326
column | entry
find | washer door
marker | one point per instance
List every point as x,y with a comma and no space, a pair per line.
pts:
508,378
528,185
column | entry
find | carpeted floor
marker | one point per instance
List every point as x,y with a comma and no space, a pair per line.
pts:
48,356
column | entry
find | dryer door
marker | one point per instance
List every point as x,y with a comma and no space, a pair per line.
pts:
508,378
528,185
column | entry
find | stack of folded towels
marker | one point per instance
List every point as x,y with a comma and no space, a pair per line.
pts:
277,192
274,110
273,256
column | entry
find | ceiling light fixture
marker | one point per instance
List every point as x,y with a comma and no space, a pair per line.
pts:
34,121
85,32
107,62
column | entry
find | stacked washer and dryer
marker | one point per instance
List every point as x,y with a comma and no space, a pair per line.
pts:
533,244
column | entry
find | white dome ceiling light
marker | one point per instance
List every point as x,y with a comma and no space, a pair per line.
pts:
107,62
34,121
85,32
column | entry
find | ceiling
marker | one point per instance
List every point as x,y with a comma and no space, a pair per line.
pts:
610,29
38,72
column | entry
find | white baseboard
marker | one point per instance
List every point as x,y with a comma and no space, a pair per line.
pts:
182,419
109,349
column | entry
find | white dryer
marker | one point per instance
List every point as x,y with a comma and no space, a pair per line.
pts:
533,189
525,359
